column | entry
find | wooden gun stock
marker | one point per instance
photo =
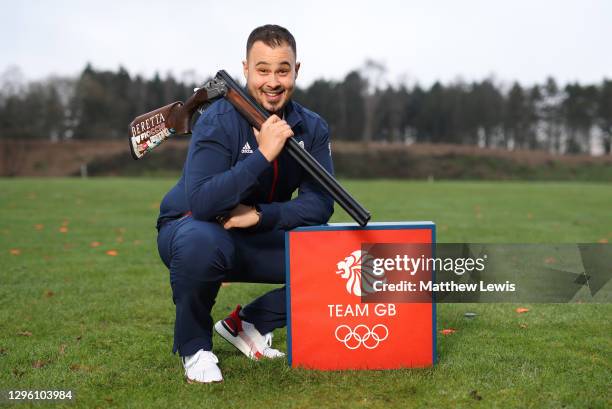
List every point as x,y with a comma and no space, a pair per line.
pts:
149,130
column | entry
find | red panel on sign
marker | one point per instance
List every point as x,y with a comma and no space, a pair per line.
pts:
329,327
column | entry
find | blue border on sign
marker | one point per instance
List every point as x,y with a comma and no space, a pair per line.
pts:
288,297
370,226
352,226
434,320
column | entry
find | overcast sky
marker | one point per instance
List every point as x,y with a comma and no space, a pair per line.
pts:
420,41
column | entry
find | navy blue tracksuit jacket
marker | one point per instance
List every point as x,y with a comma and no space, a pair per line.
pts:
225,168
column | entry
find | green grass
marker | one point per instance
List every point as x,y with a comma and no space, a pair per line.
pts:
102,325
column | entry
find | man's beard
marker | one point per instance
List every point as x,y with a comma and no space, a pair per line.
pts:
278,112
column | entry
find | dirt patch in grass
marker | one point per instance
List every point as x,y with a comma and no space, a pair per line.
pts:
352,160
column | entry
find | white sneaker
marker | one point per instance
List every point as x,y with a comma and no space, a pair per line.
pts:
270,352
201,367
245,337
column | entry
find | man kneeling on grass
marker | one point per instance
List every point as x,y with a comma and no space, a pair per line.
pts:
225,218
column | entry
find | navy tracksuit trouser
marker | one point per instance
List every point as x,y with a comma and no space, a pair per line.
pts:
200,256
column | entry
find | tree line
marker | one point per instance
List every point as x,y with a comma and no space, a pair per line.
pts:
570,118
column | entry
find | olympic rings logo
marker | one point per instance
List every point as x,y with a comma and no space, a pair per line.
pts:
361,335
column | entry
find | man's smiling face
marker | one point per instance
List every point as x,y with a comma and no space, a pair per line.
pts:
270,73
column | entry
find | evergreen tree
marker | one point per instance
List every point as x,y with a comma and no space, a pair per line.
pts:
579,109
515,118
604,114
352,107
551,115
323,97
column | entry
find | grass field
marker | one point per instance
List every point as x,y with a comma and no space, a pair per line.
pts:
86,304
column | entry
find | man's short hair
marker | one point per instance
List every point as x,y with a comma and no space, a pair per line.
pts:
272,36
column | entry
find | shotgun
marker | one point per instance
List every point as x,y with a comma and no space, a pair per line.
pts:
149,130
